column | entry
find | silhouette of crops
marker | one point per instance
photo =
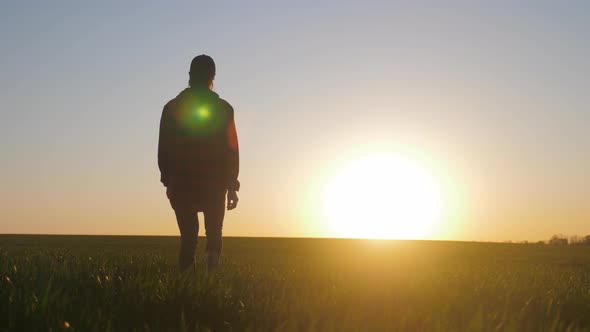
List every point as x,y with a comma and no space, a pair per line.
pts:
83,283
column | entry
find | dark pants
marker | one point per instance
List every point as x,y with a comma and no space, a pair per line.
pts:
186,211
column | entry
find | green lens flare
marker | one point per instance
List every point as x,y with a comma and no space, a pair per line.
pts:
203,113
201,119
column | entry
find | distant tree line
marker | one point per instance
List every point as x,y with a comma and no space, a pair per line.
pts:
559,239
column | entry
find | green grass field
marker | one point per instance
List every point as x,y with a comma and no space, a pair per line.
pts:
110,283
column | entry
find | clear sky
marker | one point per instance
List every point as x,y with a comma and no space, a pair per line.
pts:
493,96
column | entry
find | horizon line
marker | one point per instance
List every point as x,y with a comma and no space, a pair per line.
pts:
283,237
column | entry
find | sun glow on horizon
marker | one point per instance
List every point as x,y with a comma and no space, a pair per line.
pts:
383,197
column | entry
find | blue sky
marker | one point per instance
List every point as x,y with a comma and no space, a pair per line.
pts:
495,95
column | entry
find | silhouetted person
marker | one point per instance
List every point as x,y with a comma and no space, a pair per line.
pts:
199,160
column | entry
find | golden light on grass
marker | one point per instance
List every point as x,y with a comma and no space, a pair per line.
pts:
383,197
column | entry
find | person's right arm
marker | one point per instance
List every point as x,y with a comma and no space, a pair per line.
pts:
233,154
233,185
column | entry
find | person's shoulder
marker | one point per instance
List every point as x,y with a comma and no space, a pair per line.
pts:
173,103
226,105
170,105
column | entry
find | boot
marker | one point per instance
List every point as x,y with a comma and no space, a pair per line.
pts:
212,260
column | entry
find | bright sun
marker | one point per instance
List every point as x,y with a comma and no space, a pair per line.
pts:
383,197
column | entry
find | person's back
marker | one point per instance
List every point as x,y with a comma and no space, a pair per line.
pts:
199,160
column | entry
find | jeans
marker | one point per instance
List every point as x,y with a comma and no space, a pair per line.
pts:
188,223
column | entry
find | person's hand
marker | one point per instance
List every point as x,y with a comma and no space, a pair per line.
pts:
232,199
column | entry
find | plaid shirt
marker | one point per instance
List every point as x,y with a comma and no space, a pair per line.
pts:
198,144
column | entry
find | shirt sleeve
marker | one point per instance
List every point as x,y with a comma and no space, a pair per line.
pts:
164,146
233,153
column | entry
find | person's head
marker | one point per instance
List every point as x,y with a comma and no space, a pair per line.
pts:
202,72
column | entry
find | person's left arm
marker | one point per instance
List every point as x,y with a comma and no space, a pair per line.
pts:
164,145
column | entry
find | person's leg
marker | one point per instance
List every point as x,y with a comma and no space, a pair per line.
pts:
188,224
214,214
